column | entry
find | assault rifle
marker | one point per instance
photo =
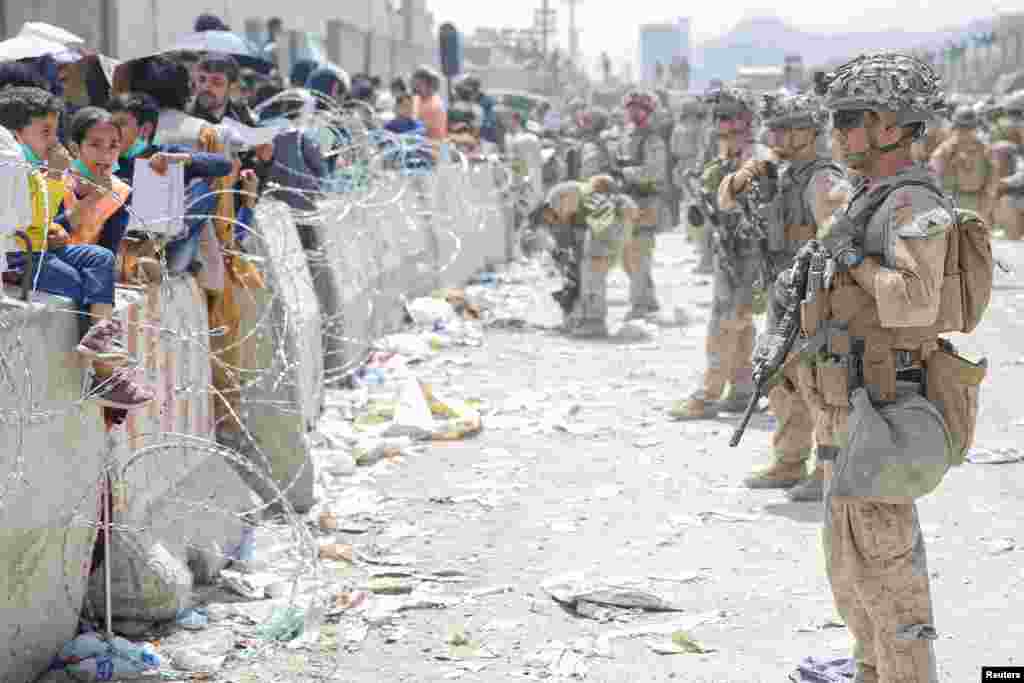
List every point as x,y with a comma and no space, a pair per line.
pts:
800,283
754,202
703,210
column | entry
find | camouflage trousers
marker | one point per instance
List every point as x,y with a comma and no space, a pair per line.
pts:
793,437
595,260
730,336
638,262
877,567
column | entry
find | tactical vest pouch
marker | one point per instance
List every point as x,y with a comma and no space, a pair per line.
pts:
896,452
879,368
812,313
954,385
800,234
832,378
975,264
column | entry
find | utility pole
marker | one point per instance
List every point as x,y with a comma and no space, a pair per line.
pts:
573,35
544,24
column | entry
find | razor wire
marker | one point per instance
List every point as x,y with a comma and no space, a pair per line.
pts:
378,177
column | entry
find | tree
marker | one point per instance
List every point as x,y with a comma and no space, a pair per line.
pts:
606,66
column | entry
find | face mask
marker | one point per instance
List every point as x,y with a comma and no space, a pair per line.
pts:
137,148
30,156
84,171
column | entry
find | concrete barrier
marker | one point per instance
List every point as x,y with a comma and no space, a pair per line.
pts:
282,379
405,239
179,519
53,455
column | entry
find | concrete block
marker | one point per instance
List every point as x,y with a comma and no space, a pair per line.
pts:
51,457
282,378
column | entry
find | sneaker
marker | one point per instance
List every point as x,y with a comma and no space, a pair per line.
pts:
102,343
120,391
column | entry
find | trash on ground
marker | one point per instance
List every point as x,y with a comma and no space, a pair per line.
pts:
429,311
337,552
686,623
820,670
681,643
628,592
193,619
386,585
560,660
995,456
251,586
285,623
89,657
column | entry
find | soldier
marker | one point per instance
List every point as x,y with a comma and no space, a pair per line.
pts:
645,180
882,313
963,163
810,188
921,151
587,220
686,143
1006,144
730,336
595,156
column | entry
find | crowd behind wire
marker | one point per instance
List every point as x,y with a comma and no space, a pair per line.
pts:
78,132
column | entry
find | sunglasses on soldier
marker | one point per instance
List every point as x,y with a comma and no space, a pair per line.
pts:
846,119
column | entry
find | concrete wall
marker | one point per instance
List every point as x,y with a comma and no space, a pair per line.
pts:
282,379
180,519
52,457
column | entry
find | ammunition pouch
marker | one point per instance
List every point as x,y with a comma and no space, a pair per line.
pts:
953,385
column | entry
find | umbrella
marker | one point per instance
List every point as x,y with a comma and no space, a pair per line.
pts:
226,43
46,31
37,39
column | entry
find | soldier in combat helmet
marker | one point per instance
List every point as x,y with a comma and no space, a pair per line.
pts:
809,188
883,312
963,163
730,335
645,180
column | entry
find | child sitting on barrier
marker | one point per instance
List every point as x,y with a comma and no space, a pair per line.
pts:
82,272
137,115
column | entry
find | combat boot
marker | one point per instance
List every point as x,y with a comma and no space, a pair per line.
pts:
590,329
778,475
695,407
810,490
735,403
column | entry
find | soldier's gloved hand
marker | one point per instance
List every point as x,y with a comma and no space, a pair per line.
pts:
843,242
741,179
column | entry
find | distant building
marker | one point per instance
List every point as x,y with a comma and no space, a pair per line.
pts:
760,78
663,44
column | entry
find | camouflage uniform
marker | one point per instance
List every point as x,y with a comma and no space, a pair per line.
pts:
730,333
808,192
1007,148
595,156
645,185
963,163
889,297
687,146
592,222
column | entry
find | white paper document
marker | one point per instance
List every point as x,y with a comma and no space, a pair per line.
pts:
158,201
